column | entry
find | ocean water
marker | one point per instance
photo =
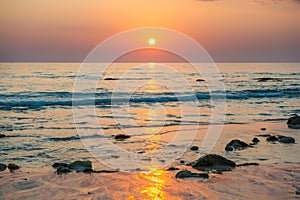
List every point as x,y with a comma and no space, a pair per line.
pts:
147,101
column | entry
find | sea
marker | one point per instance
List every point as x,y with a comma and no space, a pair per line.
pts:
51,112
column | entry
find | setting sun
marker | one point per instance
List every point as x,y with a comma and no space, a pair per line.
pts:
151,41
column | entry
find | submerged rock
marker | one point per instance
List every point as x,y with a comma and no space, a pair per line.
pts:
287,140
188,174
2,135
13,166
214,163
63,170
236,145
2,167
294,122
272,138
268,79
57,165
194,148
80,166
121,137
255,140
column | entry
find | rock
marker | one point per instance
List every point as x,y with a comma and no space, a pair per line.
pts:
200,80
255,140
2,167
272,138
2,135
194,148
263,129
63,170
268,79
247,164
298,191
13,166
111,79
236,145
294,122
121,137
188,174
213,162
263,135
287,140
57,165
172,169
181,161
80,166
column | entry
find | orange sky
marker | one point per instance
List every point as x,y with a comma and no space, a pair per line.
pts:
230,30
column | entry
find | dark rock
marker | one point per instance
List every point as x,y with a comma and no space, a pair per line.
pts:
2,167
247,164
57,165
172,169
88,170
111,79
200,80
13,166
213,162
182,161
194,148
236,145
188,174
294,122
2,135
255,140
298,191
263,129
287,140
263,135
268,79
80,166
272,138
63,170
121,137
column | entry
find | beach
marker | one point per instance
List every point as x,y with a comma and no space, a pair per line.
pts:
276,177
129,135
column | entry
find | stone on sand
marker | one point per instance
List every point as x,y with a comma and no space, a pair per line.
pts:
294,122
188,174
13,166
80,166
236,145
214,163
2,167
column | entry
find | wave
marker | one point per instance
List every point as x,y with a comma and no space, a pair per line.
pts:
44,99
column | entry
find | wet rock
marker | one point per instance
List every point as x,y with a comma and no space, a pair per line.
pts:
247,164
272,138
57,165
2,167
13,166
121,137
63,170
188,174
268,79
194,148
214,163
111,79
263,129
255,140
2,135
294,122
172,169
80,166
236,145
287,140
263,135
200,80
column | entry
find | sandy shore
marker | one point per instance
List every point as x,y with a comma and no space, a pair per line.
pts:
252,182
277,176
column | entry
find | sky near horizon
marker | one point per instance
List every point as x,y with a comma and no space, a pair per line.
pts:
230,30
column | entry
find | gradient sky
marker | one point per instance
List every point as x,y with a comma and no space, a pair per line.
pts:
230,30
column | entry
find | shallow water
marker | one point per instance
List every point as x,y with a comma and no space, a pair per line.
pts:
36,109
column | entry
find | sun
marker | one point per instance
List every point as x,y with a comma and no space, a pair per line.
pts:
151,41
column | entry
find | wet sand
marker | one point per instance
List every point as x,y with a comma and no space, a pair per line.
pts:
277,176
